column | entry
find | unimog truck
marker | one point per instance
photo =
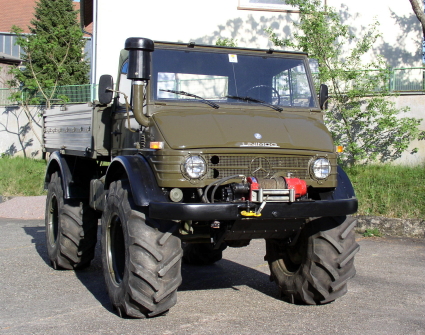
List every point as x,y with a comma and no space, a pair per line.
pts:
194,149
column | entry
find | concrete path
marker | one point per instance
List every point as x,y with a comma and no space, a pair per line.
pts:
26,208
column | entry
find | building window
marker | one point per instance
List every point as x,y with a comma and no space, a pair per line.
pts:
268,5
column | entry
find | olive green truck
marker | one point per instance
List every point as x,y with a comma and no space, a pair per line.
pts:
194,149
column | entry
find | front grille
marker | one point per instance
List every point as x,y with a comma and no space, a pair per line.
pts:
261,166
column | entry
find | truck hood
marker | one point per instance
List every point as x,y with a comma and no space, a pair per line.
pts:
196,130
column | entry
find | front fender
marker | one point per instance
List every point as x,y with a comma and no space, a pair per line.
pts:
137,170
344,189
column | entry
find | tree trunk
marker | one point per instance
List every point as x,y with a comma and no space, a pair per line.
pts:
418,8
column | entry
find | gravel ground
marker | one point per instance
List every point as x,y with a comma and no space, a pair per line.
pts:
232,297
26,208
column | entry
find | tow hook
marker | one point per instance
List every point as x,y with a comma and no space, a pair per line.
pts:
258,212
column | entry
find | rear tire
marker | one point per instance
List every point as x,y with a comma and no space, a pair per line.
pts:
141,257
316,269
71,229
202,253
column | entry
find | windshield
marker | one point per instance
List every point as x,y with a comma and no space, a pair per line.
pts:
230,78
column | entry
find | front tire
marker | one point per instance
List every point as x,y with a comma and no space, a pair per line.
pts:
141,257
71,229
316,269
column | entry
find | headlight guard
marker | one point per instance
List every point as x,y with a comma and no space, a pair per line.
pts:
194,167
320,168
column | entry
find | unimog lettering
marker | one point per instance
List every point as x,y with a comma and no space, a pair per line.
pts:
192,150
258,144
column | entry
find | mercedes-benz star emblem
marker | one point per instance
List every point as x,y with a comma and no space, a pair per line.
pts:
260,165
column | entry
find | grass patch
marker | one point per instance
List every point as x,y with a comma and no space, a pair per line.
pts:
390,191
374,232
21,177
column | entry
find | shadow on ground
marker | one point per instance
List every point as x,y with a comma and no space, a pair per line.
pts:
221,275
225,274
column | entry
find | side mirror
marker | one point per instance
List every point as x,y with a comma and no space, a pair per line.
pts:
323,96
105,89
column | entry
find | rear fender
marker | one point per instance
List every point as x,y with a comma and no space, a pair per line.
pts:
74,187
57,163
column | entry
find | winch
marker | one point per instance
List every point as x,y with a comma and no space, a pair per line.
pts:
275,189
278,189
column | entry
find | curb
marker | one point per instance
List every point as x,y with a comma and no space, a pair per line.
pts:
391,226
4,199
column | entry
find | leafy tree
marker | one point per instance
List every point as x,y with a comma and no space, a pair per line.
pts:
53,52
360,116
226,42
53,56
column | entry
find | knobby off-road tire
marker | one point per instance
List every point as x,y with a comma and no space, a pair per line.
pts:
202,253
71,229
315,270
141,257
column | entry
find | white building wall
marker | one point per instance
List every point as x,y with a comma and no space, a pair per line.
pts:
416,104
16,134
204,22
176,21
401,40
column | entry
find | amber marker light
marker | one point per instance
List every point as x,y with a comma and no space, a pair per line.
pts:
339,149
156,145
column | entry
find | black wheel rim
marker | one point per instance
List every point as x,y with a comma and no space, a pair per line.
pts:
116,250
53,221
290,258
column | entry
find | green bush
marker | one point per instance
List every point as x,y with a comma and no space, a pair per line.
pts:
390,191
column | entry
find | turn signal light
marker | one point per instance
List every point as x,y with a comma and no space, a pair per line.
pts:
156,145
339,149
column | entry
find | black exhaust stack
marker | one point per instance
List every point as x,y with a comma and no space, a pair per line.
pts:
139,70
139,58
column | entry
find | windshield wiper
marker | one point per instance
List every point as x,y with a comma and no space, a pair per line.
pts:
209,103
249,99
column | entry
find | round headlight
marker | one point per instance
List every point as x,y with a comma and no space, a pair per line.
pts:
321,168
195,167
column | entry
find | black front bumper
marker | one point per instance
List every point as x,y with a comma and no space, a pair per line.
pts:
232,211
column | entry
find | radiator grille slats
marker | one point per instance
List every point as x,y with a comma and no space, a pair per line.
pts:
221,166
